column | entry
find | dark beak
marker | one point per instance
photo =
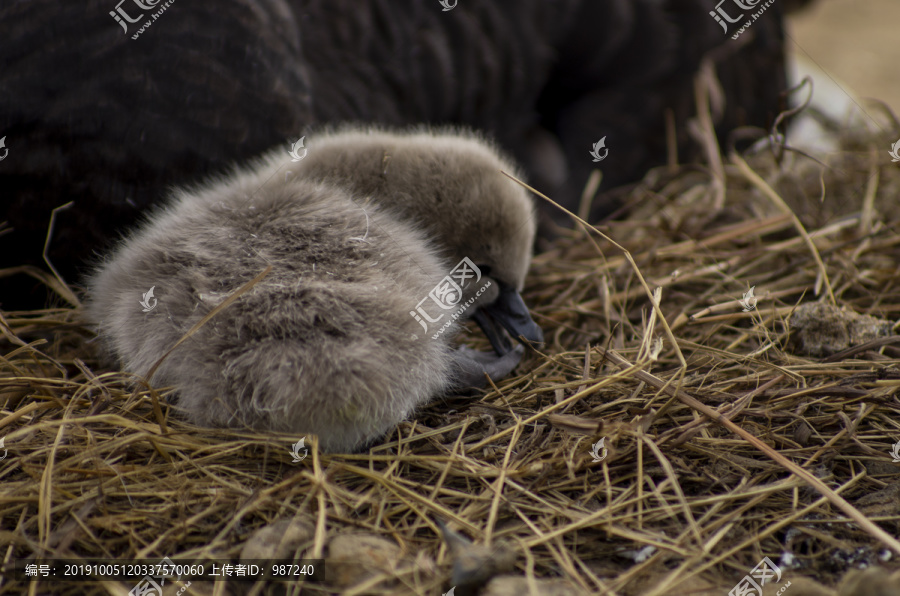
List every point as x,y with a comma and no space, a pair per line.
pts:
510,313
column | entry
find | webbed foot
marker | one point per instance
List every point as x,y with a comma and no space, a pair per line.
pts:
470,366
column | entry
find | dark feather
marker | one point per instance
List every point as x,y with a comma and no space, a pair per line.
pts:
93,116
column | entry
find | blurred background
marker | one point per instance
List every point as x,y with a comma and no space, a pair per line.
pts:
855,41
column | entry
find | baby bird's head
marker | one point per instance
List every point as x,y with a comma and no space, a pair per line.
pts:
448,183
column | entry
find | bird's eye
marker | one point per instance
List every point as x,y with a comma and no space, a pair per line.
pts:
485,269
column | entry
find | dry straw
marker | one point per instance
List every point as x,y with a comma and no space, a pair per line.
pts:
725,442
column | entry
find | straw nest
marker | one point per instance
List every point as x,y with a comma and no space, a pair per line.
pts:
728,435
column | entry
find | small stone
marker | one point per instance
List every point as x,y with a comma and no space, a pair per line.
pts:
647,581
874,581
799,586
517,586
475,564
279,540
819,329
353,558
883,502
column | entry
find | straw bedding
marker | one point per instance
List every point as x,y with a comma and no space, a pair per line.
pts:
692,397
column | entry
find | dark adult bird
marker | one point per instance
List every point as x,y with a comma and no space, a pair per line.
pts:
108,104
